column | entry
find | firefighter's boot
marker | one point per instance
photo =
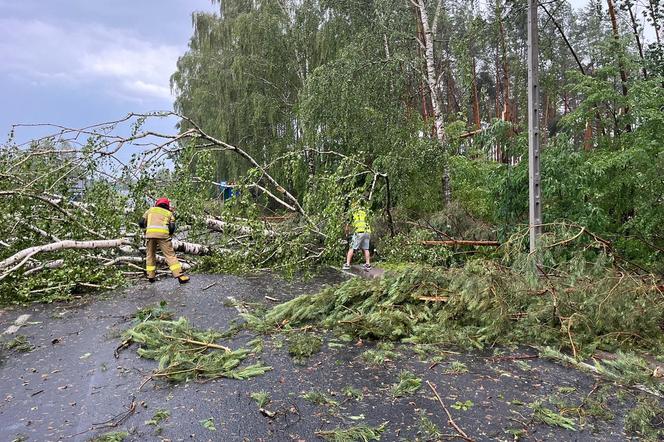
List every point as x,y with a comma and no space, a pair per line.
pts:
183,279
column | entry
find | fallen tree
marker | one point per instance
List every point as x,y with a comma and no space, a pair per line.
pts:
28,253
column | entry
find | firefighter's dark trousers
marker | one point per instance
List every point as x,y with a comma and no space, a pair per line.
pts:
166,248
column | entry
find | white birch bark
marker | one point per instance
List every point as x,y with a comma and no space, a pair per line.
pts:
429,30
223,226
24,255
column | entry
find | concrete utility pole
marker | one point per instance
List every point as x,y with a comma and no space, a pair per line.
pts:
535,201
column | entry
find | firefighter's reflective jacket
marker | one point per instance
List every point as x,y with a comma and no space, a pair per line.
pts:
158,223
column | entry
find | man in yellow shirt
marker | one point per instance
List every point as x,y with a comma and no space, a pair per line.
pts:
159,225
361,236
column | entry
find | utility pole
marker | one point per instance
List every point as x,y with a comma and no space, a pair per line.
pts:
534,199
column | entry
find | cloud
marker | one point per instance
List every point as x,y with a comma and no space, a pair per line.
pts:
115,61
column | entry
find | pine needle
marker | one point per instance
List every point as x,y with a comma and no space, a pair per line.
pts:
359,433
185,353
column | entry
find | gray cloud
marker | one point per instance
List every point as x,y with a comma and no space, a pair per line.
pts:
119,61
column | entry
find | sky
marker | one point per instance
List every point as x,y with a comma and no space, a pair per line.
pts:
80,62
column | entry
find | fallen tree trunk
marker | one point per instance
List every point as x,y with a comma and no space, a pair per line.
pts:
222,226
49,265
141,260
190,248
461,242
26,254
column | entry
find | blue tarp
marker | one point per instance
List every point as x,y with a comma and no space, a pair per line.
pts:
227,190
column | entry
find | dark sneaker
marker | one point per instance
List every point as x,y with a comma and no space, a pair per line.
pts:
183,279
366,267
345,267
152,280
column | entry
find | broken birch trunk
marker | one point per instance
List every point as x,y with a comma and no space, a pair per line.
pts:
225,226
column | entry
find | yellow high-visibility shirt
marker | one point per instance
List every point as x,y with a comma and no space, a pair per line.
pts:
360,223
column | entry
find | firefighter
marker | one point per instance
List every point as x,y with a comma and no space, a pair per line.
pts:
159,225
361,236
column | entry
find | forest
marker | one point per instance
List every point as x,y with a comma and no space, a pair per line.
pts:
289,111
307,105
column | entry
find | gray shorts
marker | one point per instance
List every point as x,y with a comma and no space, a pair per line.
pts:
360,241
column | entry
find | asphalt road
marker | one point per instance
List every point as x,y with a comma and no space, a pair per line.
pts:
71,387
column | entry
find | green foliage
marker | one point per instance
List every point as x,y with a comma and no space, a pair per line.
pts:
456,367
111,436
429,429
646,419
302,345
352,392
20,344
626,368
184,353
208,424
490,303
359,433
549,417
384,352
159,311
319,398
408,384
262,398
158,417
465,405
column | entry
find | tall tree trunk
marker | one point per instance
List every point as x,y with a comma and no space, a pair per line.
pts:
637,38
616,37
653,7
496,101
621,64
588,137
507,108
476,100
426,105
431,77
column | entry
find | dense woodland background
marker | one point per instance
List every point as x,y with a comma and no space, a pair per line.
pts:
419,106
309,104
415,89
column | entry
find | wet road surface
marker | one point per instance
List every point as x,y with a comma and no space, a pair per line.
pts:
71,387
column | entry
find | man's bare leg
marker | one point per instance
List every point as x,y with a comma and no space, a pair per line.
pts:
349,256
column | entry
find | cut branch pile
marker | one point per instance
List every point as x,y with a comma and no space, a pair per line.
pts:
487,303
185,353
